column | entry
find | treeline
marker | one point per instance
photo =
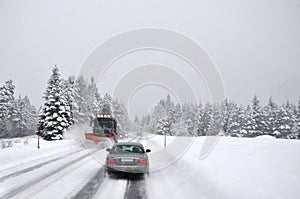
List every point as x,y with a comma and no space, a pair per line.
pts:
74,101
227,118
18,117
67,102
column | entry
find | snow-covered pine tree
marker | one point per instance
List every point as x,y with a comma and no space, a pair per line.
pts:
178,112
164,127
169,112
156,114
258,124
217,124
26,117
271,111
106,106
205,122
292,112
188,119
297,121
90,97
20,117
119,116
237,121
96,106
227,114
284,122
125,118
198,118
87,100
178,126
79,105
7,107
30,114
248,123
68,94
53,119
145,121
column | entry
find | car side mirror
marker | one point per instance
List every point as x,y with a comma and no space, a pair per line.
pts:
148,150
108,149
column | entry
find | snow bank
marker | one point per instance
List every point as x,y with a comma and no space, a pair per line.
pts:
265,137
237,168
25,149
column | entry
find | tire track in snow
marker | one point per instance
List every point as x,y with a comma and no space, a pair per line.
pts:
135,188
90,188
23,187
26,170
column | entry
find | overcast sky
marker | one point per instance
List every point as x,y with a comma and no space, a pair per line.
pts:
255,44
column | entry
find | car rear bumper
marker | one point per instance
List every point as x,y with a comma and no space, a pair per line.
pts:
127,168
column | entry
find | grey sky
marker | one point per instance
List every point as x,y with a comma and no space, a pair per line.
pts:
255,44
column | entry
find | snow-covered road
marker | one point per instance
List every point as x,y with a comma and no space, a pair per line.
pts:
237,168
75,173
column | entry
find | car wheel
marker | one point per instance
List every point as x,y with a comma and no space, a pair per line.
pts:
109,173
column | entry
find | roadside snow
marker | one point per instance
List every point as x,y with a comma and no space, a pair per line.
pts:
237,168
265,137
25,149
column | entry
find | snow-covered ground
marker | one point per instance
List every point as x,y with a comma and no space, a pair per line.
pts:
237,168
261,167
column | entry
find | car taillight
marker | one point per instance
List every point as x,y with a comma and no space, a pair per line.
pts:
110,160
142,161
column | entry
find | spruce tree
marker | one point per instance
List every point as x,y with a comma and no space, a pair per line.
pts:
216,120
68,96
119,116
54,118
235,120
96,106
271,112
106,107
205,123
7,107
297,121
198,118
164,127
79,105
285,122
257,124
25,115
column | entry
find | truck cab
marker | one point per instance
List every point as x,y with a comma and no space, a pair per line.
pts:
104,126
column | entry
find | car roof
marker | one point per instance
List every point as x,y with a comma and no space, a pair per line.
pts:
129,143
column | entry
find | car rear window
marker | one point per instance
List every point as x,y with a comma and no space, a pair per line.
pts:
127,148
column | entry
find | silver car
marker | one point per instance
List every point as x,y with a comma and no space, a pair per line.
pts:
128,157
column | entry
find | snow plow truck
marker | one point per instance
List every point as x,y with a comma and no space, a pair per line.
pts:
104,127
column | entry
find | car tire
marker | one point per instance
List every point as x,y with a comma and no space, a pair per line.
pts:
109,173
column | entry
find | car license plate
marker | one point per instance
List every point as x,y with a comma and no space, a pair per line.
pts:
126,160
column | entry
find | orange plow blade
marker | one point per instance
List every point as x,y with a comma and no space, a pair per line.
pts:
93,138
